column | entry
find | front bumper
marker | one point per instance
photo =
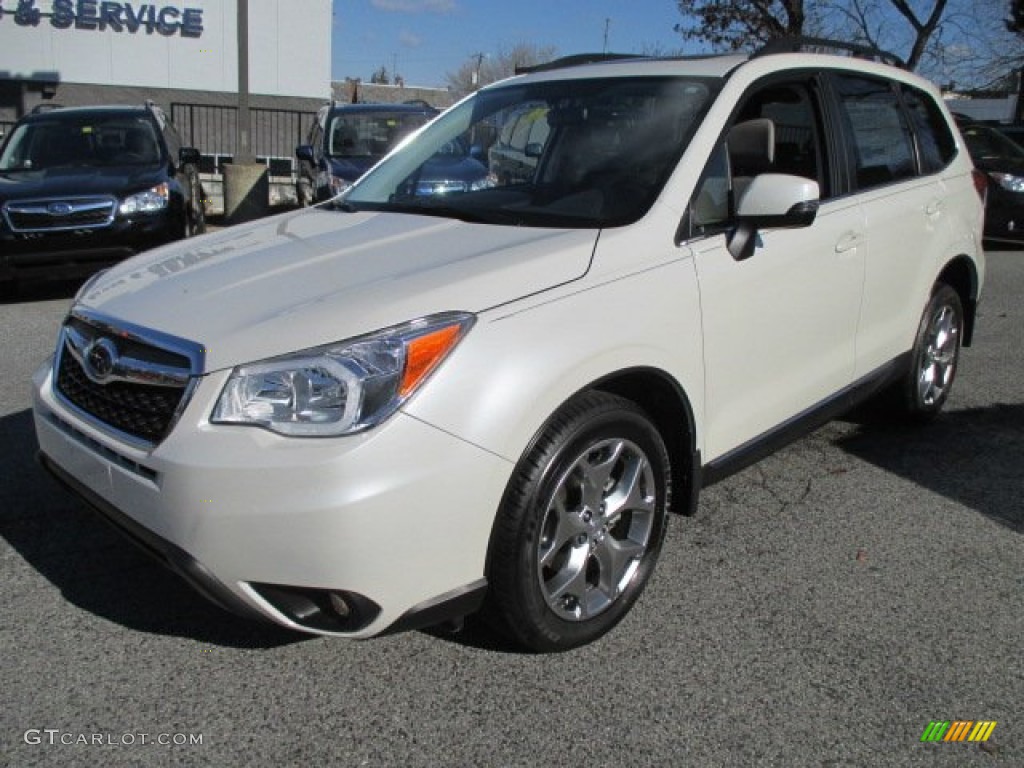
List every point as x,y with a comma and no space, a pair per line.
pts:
396,521
71,254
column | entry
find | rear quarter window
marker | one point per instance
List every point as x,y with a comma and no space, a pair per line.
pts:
936,146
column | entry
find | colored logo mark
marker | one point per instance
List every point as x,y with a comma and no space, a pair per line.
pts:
958,730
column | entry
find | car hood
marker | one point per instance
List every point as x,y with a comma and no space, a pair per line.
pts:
67,181
318,276
352,168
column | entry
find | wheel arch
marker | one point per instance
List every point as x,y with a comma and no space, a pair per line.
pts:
661,397
961,274
668,406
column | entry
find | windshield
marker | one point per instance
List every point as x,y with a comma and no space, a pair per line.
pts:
567,153
369,134
71,141
986,143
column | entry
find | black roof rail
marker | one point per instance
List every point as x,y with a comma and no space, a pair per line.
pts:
799,43
38,109
575,60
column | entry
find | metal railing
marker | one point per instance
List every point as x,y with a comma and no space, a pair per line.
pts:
213,131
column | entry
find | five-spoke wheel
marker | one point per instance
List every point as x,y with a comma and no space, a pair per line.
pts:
581,525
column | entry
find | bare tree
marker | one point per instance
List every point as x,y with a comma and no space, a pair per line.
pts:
971,42
481,68
740,24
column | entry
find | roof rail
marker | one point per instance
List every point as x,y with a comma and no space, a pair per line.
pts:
575,60
799,43
38,109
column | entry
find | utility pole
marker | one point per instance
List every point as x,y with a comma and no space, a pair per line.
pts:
243,153
476,71
246,184
607,24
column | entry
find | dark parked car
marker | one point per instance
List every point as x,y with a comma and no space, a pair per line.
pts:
346,140
1002,160
88,186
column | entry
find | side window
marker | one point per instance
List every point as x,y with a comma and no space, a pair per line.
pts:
935,144
316,140
172,140
797,144
777,130
882,147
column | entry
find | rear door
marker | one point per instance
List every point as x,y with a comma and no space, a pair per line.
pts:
905,207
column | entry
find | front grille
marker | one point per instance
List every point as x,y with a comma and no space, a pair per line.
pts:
140,410
59,214
121,379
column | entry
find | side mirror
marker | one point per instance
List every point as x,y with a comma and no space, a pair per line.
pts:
305,152
772,201
477,152
188,156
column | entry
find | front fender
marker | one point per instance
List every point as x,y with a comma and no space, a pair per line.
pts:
520,362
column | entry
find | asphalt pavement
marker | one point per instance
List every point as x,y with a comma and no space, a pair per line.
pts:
821,609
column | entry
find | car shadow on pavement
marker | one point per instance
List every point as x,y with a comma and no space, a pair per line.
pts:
971,456
27,291
96,568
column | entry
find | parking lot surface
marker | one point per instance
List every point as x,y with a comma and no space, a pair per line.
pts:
821,609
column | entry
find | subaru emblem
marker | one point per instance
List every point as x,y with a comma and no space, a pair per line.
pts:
99,360
60,209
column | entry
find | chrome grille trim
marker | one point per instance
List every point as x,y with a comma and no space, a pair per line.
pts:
82,329
59,214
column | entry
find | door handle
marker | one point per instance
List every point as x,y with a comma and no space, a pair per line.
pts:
849,241
934,208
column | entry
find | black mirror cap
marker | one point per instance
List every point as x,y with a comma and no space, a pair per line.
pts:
800,215
304,152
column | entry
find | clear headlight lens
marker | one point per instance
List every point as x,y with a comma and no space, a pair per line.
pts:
488,181
1008,181
340,388
150,201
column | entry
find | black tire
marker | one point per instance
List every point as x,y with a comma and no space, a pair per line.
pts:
564,569
934,358
195,209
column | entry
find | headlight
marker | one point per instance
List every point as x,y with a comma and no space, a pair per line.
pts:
1008,181
488,181
150,201
340,388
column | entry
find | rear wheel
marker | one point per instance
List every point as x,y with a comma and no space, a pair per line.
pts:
935,355
580,527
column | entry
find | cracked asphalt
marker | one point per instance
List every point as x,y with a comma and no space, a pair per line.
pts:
820,610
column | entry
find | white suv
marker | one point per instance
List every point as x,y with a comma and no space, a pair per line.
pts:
399,409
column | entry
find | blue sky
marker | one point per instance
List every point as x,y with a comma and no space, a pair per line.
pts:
426,39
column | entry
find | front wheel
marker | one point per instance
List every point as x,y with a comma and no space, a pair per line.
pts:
935,355
580,527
